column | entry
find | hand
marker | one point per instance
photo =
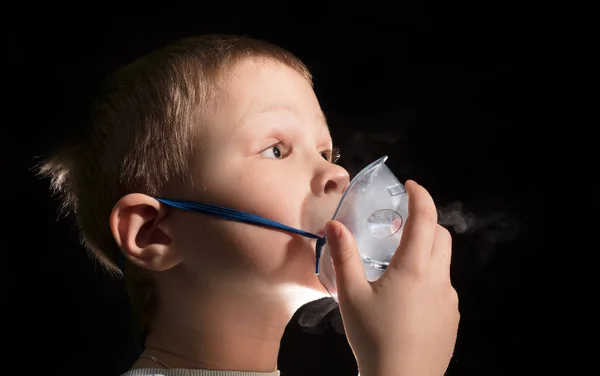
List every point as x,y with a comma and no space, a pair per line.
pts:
406,322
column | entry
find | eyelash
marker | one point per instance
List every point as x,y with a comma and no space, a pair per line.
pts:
332,156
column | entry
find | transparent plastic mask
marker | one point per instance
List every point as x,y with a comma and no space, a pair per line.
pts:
374,209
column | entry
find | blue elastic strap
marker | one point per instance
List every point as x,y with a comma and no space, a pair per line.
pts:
240,216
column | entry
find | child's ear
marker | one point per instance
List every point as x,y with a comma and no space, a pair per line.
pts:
138,224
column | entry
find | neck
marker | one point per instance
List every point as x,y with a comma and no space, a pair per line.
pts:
238,328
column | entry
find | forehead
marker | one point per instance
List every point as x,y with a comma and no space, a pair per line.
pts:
256,86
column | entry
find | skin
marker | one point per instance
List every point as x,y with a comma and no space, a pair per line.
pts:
227,290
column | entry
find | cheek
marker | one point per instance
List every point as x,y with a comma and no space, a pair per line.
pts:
216,248
279,199
269,253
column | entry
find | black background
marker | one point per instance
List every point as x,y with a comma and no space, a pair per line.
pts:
448,93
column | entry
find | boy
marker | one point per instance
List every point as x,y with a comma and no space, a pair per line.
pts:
234,122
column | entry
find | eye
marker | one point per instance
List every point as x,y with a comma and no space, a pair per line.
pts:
331,155
276,151
272,152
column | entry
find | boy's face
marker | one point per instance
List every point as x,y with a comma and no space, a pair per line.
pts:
265,150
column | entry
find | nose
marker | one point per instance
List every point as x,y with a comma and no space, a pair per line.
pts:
331,178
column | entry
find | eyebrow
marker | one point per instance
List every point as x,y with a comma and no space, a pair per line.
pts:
282,107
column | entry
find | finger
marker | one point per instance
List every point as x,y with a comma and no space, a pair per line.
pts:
441,252
419,230
349,272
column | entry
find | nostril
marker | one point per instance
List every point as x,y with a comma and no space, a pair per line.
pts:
330,186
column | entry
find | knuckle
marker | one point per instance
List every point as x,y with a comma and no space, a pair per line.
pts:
419,271
443,235
412,270
428,213
343,257
453,297
345,252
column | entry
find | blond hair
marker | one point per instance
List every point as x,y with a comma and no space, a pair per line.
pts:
142,138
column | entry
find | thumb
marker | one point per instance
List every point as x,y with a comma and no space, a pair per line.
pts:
349,273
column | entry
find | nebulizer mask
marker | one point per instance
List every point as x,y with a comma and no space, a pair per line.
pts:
373,208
